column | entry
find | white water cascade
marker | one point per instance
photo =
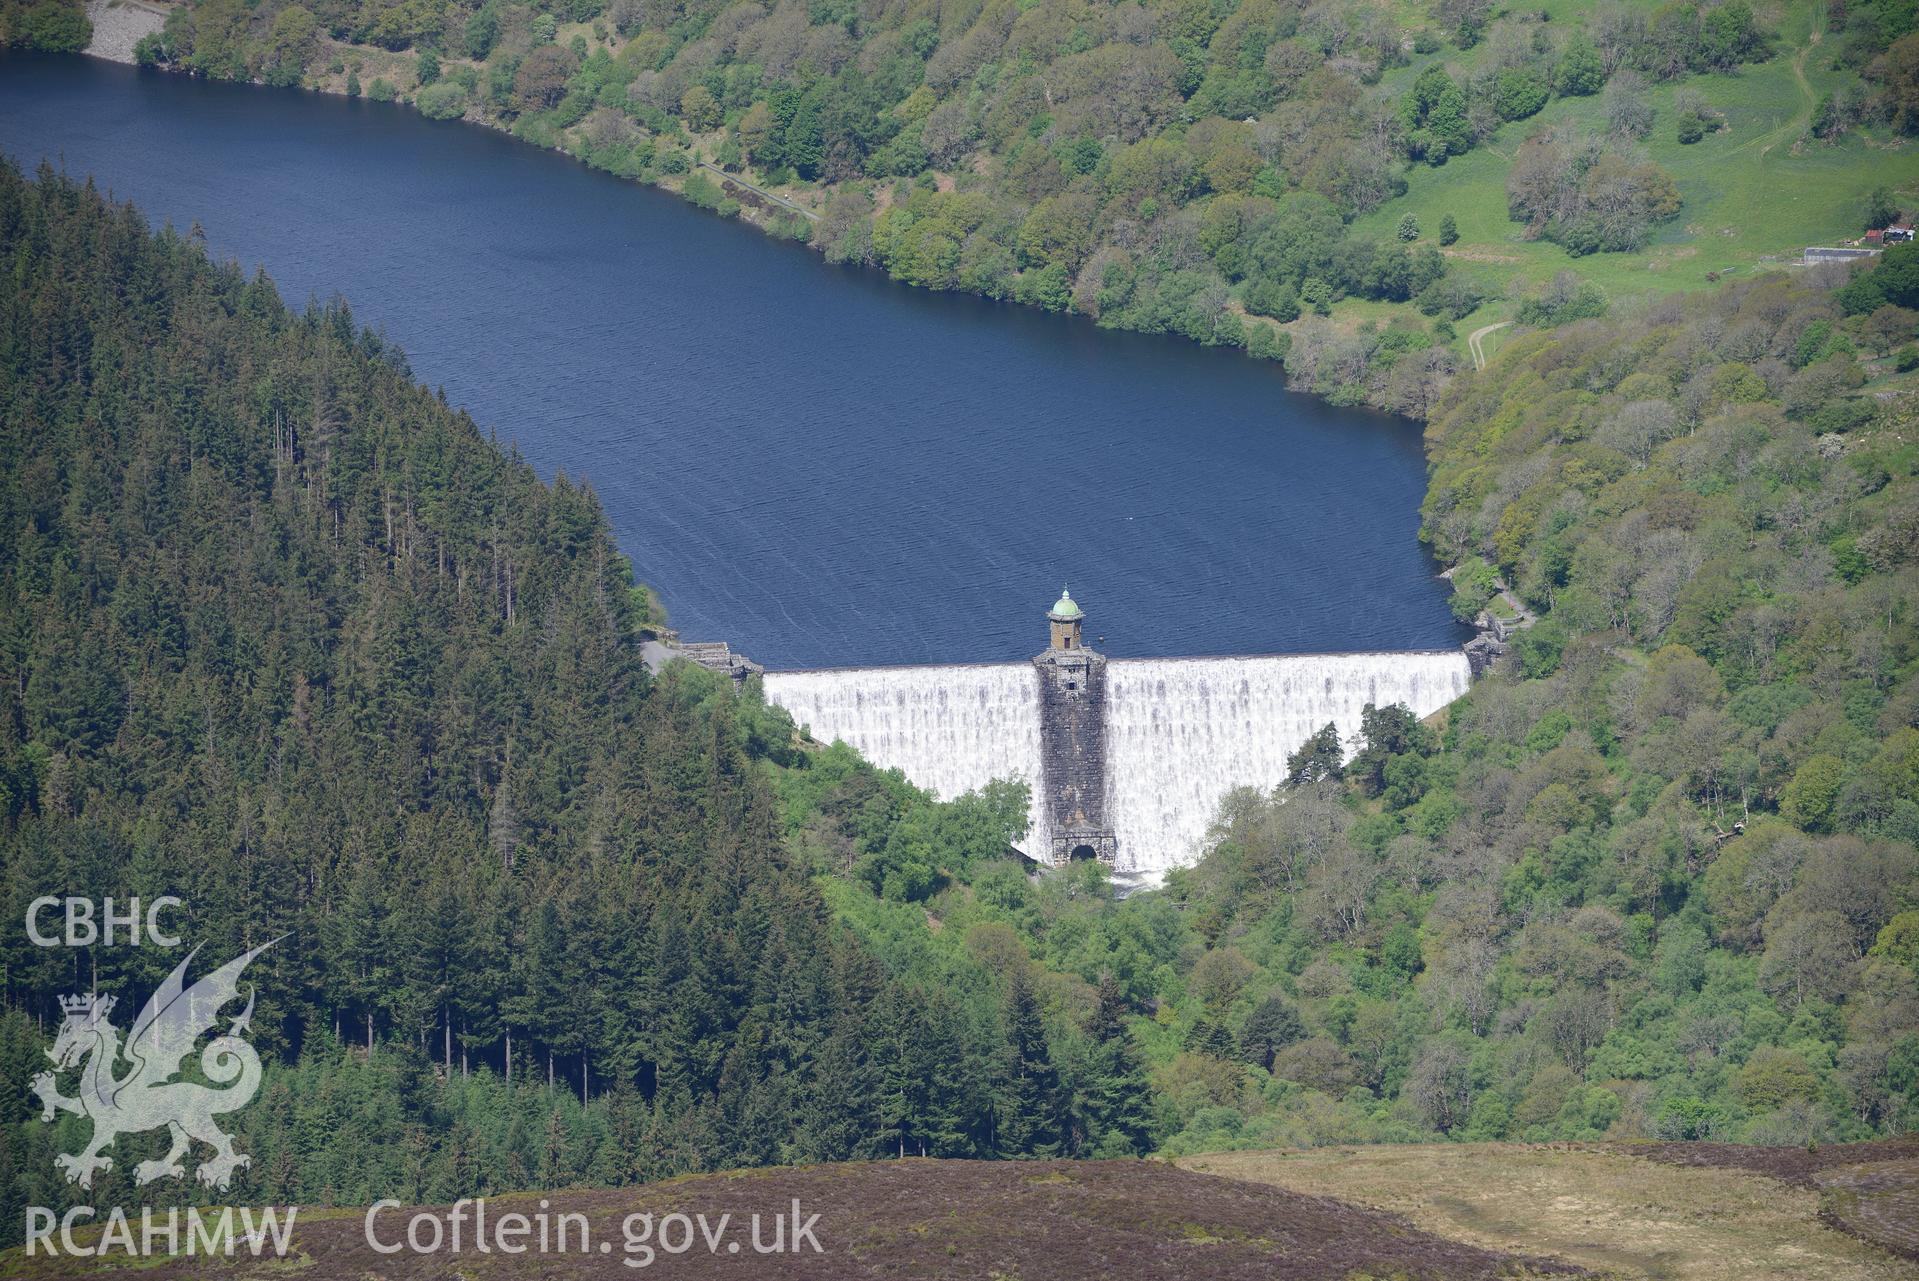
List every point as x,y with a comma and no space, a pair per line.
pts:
1180,732
948,729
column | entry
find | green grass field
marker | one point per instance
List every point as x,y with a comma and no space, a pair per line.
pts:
1757,191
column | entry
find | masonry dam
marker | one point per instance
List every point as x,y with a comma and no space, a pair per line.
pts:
1127,758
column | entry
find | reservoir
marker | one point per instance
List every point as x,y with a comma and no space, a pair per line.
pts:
813,463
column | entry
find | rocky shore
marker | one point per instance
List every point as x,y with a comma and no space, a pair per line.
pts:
119,25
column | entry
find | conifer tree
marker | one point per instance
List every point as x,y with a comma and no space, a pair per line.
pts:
1318,758
1031,1108
1116,1098
897,1060
954,1116
362,947
1271,1027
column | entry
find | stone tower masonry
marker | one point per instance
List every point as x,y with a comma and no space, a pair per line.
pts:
1072,708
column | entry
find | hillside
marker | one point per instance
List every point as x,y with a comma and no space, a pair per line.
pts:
282,631
1064,1221
1352,187
287,638
1655,877
1442,1212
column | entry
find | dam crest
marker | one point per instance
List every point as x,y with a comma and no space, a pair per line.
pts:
1127,758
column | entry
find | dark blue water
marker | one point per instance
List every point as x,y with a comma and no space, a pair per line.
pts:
814,463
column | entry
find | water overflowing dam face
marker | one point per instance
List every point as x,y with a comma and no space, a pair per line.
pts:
948,729
1179,732
1182,732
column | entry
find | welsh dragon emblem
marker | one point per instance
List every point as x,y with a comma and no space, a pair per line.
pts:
148,1095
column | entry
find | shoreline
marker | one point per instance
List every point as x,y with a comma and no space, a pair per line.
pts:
120,25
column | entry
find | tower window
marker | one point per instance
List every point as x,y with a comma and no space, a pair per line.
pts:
1072,684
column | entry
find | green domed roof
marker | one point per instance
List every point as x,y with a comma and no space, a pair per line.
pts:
1064,608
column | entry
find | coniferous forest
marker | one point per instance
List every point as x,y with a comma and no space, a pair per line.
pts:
289,638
